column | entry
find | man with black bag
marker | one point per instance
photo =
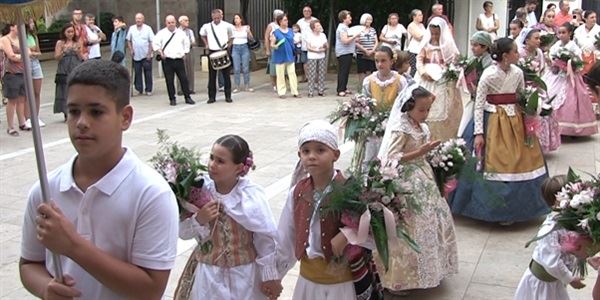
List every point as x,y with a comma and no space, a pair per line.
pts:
172,45
217,36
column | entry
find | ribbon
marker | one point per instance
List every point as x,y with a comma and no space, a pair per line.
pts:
570,73
361,236
450,186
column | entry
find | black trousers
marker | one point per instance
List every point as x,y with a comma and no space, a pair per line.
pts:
344,64
170,68
212,81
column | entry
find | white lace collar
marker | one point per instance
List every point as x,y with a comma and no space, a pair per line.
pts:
385,83
406,127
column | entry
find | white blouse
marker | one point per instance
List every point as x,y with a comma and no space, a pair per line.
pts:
585,39
394,34
247,205
495,81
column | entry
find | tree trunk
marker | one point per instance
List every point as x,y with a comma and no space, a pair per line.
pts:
331,36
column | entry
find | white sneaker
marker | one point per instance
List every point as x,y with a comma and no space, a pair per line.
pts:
28,123
249,90
42,124
275,89
235,91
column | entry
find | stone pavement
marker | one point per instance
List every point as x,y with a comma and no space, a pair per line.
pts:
492,258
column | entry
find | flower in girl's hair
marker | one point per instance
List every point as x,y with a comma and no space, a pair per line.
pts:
181,167
248,165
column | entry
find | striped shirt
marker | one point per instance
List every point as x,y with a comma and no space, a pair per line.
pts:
367,40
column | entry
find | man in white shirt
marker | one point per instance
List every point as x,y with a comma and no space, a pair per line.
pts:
188,59
304,24
95,36
531,18
173,45
217,36
139,40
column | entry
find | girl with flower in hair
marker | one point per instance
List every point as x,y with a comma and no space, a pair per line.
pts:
550,268
407,137
572,103
438,51
236,255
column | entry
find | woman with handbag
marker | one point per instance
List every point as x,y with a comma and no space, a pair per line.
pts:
240,53
68,52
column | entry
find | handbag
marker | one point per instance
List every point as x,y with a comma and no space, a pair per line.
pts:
118,56
158,57
253,43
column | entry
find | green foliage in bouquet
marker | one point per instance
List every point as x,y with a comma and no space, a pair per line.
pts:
179,166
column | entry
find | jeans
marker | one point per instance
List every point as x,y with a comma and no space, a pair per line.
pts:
172,67
241,62
145,66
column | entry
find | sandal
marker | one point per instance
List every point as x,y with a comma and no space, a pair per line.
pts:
348,92
342,94
12,132
298,96
24,127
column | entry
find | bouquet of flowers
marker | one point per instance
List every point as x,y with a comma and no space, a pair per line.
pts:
529,102
562,59
356,115
531,68
360,120
375,203
447,161
547,39
452,72
472,70
182,169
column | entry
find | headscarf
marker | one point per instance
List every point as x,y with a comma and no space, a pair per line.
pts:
482,38
394,121
318,131
520,40
447,44
314,131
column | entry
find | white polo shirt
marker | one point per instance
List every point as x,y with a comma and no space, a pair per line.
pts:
92,33
178,47
223,31
130,213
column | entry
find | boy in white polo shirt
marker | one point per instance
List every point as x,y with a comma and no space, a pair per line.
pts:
113,219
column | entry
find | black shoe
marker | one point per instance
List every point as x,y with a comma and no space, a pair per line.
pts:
172,102
228,100
189,101
211,101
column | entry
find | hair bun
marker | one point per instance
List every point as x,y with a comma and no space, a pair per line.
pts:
495,56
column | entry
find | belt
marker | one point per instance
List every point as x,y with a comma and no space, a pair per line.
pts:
498,99
168,58
538,271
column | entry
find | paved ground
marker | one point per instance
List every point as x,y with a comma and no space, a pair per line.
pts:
492,258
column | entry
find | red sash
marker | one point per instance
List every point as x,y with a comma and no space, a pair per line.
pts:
498,99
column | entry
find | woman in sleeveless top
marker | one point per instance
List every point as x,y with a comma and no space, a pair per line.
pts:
13,82
69,55
488,21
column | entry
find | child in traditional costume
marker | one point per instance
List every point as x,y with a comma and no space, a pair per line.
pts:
437,52
550,269
513,171
309,235
383,85
572,103
237,235
407,137
481,44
